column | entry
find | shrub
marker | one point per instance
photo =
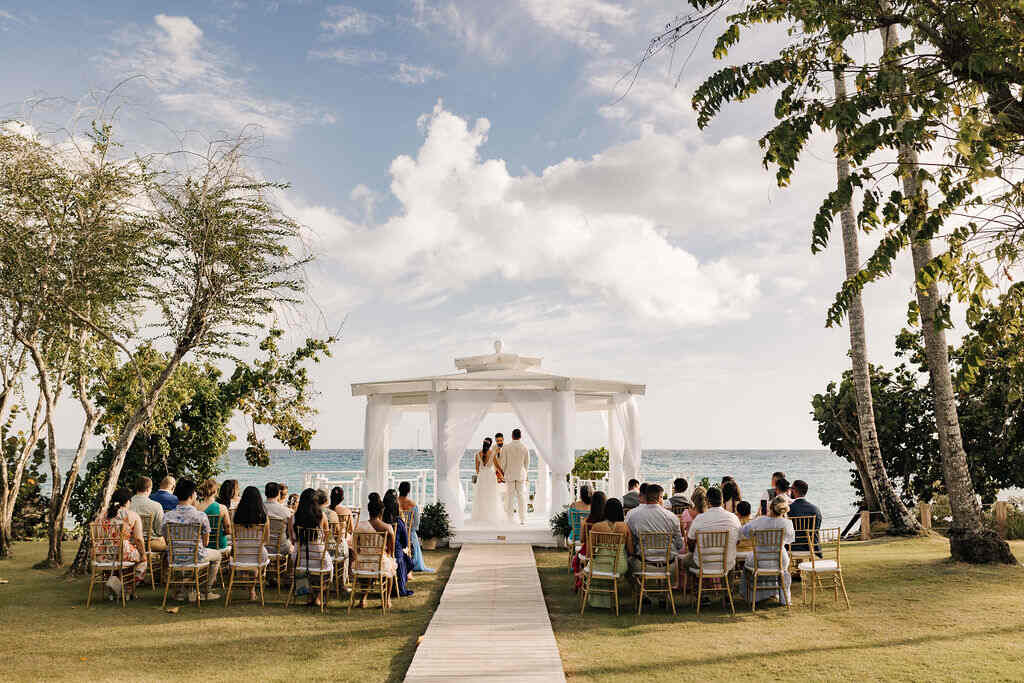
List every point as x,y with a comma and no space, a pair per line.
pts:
434,522
560,526
594,460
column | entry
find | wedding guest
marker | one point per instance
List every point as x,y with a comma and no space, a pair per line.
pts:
614,523
698,505
403,563
121,519
715,518
652,516
337,500
770,493
679,497
186,513
782,488
275,509
743,545
208,503
323,500
163,494
249,514
801,507
743,510
375,510
308,515
632,497
731,495
405,503
293,502
583,503
775,519
229,494
142,504
597,502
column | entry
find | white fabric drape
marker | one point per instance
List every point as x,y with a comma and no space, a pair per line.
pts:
534,410
616,444
454,416
628,414
563,446
377,442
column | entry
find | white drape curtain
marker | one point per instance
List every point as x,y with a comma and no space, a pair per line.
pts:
534,410
454,416
628,417
377,442
616,444
563,446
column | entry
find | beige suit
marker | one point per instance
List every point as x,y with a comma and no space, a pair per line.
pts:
514,460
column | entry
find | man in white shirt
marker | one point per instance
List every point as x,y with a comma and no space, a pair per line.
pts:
147,507
652,516
716,518
276,509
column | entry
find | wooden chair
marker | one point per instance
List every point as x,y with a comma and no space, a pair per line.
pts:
277,549
153,558
311,557
575,540
407,516
824,571
341,531
368,573
605,565
655,567
107,559
216,525
356,512
767,563
185,567
248,561
800,550
712,556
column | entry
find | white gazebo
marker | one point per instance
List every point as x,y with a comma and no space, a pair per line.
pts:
544,404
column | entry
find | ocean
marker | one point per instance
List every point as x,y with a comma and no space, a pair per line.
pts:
826,474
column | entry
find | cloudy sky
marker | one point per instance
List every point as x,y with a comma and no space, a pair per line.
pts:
475,170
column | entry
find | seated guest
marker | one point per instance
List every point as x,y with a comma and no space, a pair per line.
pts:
122,520
632,497
403,563
743,513
186,513
375,510
163,494
782,488
275,509
653,517
142,504
698,505
207,497
775,519
309,515
596,515
250,514
613,522
801,507
584,500
229,494
323,500
731,495
405,503
715,518
770,493
293,502
679,497
337,500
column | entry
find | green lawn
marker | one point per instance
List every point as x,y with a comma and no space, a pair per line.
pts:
915,616
46,632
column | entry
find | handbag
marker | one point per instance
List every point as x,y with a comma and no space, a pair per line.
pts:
474,479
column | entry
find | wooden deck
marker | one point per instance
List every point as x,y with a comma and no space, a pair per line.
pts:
492,623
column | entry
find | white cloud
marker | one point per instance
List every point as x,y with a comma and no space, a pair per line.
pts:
344,20
195,77
410,74
577,20
477,35
464,219
350,56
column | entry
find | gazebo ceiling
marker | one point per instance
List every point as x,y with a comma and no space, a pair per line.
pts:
499,371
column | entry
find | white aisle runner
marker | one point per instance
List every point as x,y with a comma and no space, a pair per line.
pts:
492,623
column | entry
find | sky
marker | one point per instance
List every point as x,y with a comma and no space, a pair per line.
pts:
467,171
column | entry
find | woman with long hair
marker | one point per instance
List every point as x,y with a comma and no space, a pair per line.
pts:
249,514
208,502
228,495
405,503
584,500
731,495
613,522
597,503
403,563
122,520
486,500
308,515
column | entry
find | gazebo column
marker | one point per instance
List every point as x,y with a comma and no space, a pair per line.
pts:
377,442
542,501
616,444
563,437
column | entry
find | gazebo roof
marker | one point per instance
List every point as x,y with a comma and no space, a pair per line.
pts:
499,371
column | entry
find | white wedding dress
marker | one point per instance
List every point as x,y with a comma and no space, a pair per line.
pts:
487,508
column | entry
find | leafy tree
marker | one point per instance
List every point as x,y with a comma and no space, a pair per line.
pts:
594,460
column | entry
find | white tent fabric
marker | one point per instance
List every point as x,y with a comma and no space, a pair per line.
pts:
616,444
377,441
534,409
454,416
628,414
563,449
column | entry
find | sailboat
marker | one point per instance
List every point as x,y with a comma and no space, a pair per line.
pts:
418,449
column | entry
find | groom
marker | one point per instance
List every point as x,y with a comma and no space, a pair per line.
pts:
514,459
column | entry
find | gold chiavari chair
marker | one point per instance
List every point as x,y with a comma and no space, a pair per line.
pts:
825,571
107,558
407,516
607,563
312,558
277,549
800,550
153,559
356,512
575,540
655,575
368,574
342,531
249,560
185,567
712,557
766,563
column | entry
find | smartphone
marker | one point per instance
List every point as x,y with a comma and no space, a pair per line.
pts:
764,507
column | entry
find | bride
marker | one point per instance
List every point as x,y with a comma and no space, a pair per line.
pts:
486,501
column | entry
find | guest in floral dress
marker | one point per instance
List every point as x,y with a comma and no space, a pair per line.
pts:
119,518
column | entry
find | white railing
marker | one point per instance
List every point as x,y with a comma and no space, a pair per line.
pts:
350,481
418,482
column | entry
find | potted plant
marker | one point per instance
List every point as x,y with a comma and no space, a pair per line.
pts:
435,525
560,527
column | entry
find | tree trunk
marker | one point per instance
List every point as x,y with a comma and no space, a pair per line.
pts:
901,521
969,541
868,486
12,481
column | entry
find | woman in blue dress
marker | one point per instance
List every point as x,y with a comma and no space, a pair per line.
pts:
403,562
405,503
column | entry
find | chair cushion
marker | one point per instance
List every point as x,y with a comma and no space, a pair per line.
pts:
658,575
112,565
696,572
819,566
313,570
606,575
249,565
366,572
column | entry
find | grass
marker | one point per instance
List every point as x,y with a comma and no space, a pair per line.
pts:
46,632
915,616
